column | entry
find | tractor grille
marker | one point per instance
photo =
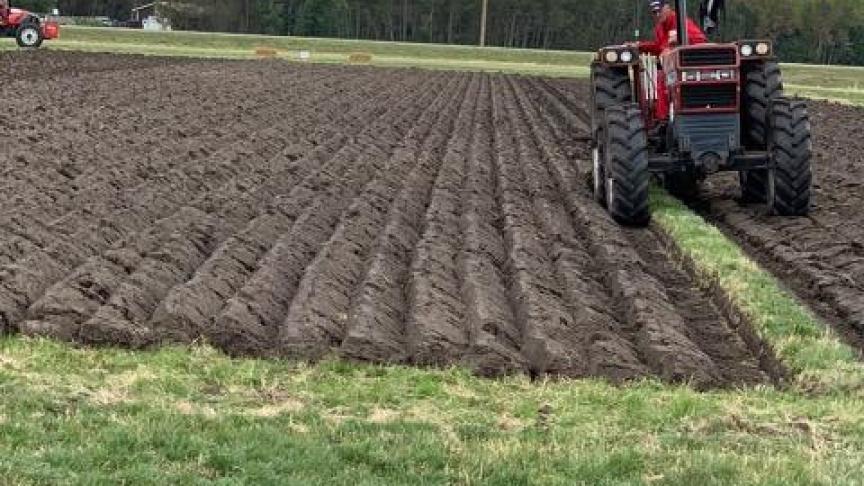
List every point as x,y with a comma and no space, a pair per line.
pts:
724,56
709,95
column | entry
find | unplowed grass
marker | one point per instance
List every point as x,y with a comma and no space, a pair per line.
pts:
188,415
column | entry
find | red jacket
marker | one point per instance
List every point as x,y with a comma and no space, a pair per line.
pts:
662,33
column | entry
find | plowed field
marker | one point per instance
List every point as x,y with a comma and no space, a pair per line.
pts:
303,211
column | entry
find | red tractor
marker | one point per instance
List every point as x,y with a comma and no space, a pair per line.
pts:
726,112
27,29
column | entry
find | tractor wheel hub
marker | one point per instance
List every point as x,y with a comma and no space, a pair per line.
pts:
29,35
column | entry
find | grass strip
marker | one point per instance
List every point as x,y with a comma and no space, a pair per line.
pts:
810,348
441,64
847,96
250,42
193,415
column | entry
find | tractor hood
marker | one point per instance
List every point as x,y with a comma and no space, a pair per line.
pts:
16,15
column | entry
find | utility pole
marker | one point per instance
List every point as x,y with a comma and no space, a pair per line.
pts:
483,23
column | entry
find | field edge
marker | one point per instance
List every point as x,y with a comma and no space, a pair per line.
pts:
813,352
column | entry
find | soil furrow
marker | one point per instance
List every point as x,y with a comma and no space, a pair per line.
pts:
318,317
227,193
251,320
377,317
435,334
597,313
117,182
549,340
90,181
684,345
493,334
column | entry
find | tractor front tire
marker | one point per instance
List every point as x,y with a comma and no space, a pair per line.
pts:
626,166
763,83
610,86
29,35
791,151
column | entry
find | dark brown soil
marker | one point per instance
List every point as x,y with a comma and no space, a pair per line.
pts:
305,211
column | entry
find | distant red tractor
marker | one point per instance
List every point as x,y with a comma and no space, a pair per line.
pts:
726,111
27,29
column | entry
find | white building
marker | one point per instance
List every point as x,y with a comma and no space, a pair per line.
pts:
151,17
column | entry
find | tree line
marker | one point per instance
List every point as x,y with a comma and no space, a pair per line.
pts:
819,31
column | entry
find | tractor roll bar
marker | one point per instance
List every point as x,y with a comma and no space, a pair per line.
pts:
681,11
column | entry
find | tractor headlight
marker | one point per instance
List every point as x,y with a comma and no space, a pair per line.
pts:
611,56
746,50
763,48
626,56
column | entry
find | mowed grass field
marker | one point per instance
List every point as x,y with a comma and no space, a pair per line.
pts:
843,84
193,415
836,83
239,46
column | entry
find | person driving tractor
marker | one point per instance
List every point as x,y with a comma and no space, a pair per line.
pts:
4,11
666,36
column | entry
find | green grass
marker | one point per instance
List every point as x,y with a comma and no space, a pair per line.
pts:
188,415
843,84
239,46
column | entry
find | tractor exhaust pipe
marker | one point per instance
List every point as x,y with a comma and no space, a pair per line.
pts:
709,12
681,13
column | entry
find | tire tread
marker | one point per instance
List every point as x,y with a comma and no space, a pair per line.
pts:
627,165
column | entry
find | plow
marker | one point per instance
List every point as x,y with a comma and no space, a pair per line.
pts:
691,109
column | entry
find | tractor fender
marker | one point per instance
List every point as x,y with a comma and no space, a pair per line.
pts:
30,19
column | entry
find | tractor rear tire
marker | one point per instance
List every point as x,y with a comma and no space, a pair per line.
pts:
763,83
626,166
610,86
29,35
791,151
